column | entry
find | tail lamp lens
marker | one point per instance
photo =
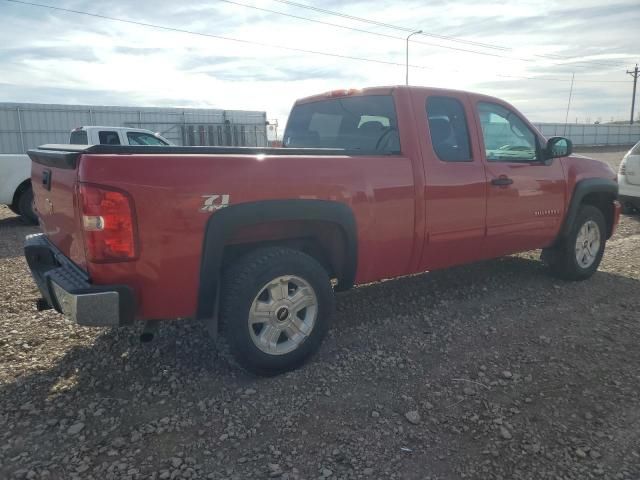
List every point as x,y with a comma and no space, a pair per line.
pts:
108,223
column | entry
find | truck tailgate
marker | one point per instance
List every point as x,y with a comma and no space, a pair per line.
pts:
54,174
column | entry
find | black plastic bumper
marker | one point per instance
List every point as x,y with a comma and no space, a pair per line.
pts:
66,288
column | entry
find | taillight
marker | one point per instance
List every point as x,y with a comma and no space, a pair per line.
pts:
108,223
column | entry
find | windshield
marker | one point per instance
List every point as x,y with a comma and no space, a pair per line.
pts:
367,123
141,138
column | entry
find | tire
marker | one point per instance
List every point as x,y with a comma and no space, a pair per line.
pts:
629,208
25,207
570,261
271,329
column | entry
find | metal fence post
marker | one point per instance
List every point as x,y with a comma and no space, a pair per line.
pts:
20,129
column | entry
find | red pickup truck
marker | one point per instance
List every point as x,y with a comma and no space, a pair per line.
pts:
369,184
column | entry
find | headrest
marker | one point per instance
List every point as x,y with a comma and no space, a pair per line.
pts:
440,129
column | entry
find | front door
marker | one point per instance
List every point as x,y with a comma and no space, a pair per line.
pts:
525,193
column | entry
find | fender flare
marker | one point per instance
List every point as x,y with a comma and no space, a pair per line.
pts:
222,225
581,190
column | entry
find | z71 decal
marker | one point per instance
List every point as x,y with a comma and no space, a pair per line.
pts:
215,202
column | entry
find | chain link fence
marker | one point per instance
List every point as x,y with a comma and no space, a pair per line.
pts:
27,125
591,135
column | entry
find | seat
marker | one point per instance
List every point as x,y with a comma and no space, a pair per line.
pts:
443,140
369,133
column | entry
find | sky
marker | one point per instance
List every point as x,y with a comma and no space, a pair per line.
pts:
522,51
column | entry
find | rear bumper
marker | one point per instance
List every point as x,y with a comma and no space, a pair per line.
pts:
66,288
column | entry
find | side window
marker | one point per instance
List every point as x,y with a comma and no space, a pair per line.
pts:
448,129
108,138
506,137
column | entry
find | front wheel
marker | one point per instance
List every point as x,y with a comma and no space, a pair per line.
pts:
578,256
276,306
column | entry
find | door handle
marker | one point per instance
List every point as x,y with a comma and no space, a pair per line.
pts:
502,181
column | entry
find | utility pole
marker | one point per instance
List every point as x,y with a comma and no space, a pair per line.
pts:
407,63
634,74
566,117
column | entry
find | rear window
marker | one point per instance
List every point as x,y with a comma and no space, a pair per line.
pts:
635,150
79,137
108,138
367,123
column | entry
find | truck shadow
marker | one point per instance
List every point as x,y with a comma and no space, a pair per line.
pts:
15,222
184,347
140,383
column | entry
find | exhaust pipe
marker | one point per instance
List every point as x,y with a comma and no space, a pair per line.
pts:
149,330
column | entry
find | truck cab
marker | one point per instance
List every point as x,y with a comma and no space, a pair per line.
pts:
96,135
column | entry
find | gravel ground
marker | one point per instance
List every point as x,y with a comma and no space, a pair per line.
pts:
489,371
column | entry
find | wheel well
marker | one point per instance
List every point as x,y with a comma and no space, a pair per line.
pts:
603,201
21,188
323,241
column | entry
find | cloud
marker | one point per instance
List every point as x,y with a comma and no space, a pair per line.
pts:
40,53
51,56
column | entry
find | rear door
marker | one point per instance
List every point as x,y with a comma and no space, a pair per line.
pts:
525,194
455,182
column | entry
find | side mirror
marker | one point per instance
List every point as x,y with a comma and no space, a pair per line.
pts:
558,147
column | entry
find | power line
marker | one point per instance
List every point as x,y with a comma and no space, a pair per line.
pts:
443,37
378,34
395,27
283,47
211,35
608,63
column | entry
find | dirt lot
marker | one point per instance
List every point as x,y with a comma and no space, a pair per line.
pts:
491,371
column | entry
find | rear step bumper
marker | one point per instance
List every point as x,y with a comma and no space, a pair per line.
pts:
66,288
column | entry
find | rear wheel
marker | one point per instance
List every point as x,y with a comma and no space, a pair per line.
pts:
276,306
578,255
26,208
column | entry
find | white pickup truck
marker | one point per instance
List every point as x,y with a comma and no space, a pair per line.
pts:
15,170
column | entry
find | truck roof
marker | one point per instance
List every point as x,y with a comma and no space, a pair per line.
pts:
384,90
106,127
